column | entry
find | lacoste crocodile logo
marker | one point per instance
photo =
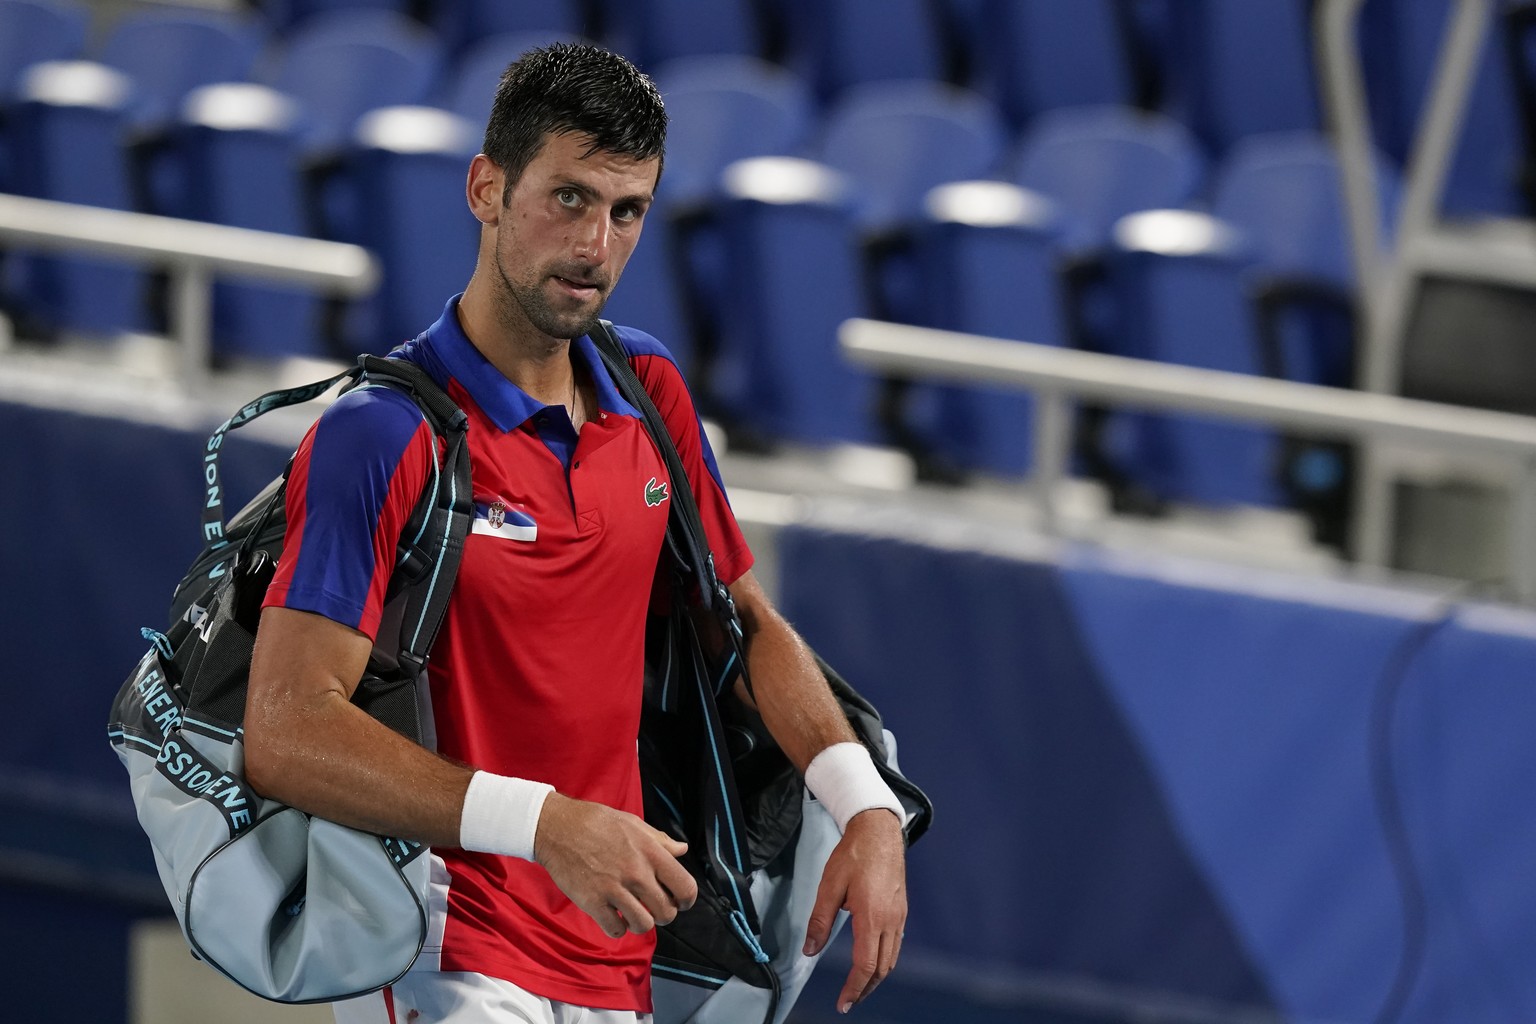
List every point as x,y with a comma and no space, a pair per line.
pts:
655,493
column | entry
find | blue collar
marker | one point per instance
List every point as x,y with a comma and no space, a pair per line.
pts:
446,352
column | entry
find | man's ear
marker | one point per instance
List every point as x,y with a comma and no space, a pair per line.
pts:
484,189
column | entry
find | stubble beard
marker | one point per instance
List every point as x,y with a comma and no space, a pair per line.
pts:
536,310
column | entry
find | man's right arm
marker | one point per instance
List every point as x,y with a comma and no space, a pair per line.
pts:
309,746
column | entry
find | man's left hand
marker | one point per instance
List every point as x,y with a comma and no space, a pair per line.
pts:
867,876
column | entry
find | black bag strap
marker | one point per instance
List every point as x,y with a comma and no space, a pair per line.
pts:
724,822
428,559
213,524
431,545
686,535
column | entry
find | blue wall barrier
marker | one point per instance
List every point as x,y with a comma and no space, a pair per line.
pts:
98,521
1164,776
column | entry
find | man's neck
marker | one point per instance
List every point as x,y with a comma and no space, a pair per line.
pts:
540,365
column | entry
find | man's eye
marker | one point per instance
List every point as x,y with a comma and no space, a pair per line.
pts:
568,197
625,214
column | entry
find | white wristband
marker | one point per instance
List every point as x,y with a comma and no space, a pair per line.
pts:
844,778
501,814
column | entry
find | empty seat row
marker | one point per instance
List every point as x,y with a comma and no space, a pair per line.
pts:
337,66
1047,247
896,139
1225,69
989,260
1259,281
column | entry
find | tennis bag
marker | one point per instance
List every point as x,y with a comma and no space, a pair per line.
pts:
714,777
293,908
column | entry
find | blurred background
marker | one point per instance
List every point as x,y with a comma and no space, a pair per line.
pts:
1225,719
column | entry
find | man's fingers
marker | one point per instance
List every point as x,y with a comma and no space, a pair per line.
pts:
658,899
636,915
675,847
890,951
676,880
865,973
829,900
622,872
660,885
608,920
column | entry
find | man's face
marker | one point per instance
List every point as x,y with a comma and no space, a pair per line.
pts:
566,233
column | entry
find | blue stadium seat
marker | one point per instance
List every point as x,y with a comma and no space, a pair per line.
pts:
168,53
792,242
1265,286
33,31
723,109
837,44
1037,55
464,24
284,15
240,143
1180,278
1285,193
470,86
653,32
894,142
650,294
342,64
1101,163
1241,68
408,166
68,128
988,254
897,140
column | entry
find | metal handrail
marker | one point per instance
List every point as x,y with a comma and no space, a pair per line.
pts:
1056,376
193,252
1421,242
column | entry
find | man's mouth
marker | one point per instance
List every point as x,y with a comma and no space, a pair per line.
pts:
579,289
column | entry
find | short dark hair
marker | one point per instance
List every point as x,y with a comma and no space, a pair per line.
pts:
573,88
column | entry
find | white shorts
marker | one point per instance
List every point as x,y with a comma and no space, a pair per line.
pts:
445,997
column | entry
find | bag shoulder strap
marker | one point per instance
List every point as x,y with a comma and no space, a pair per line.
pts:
213,525
686,529
432,543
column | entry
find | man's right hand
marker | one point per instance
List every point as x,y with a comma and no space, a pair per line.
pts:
621,872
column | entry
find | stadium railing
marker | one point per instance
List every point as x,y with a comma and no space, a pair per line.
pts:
194,254
1422,243
1058,376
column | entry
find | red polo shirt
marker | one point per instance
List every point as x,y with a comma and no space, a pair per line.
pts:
537,671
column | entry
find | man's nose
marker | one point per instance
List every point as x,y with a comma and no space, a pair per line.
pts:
593,242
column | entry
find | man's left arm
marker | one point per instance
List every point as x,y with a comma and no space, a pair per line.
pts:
866,874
